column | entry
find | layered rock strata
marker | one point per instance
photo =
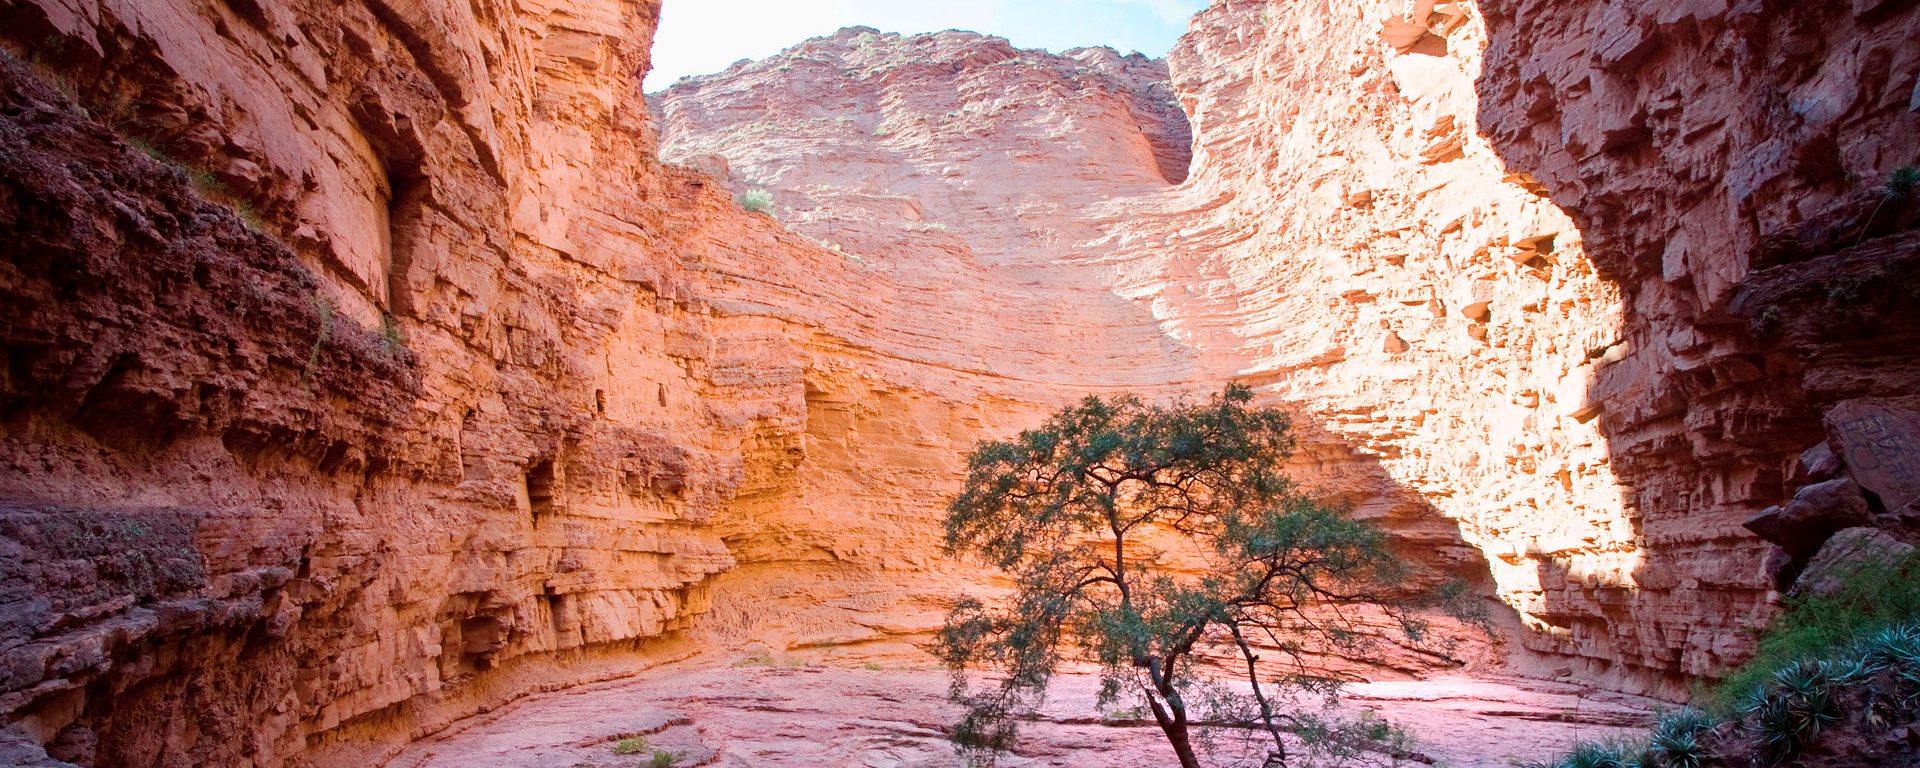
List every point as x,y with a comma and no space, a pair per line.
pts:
364,369
1388,222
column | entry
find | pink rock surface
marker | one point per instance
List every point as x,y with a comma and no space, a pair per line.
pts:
799,715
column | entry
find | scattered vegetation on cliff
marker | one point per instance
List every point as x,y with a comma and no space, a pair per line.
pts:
1086,510
757,200
1898,189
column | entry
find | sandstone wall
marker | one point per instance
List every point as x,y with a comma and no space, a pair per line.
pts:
996,186
1725,161
1388,222
364,370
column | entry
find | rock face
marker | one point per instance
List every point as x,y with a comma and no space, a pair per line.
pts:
364,369
1453,234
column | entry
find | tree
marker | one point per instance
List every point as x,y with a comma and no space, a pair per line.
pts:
1089,513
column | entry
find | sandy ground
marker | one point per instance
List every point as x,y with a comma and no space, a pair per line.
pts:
786,714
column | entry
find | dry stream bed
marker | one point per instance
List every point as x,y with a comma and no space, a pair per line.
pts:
704,713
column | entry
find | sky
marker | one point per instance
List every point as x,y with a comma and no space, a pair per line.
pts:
699,37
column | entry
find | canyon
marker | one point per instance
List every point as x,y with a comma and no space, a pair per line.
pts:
374,366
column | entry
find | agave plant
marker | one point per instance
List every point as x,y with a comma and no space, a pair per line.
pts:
1605,754
1790,712
1773,731
1676,750
1800,678
1847,669
1676,739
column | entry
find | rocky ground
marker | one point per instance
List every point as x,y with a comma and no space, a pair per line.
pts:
785,712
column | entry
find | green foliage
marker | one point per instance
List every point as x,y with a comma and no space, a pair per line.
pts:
1068,508
152,152
757,200
1902,182
661,759
1676,740
1872,682
1789,713
1875,597
633,746
1899,187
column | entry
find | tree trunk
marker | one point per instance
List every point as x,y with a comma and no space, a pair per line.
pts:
1175,726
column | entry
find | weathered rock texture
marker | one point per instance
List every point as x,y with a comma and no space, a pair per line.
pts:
1503,249
365,370
448,394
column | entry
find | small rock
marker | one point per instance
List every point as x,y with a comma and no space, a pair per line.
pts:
1816,464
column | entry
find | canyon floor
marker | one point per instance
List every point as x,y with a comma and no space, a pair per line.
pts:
790,712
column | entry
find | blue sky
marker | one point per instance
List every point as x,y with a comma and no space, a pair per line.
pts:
699,37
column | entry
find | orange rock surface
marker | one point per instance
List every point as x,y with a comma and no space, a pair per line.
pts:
367,367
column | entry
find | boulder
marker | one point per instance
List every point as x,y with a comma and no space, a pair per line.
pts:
1846,554
1817,511
1880,444
1815,465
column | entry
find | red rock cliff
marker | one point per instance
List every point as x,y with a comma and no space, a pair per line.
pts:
1520,257
365,370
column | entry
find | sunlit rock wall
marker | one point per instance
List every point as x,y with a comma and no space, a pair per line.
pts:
1387,223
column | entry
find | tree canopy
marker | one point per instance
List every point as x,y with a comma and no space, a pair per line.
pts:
1152,540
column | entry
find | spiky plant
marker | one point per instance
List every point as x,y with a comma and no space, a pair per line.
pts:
1675,742
1899,187
1847,669
1892,648
1902,183
1680,749
1772,728
1597,754
1791,710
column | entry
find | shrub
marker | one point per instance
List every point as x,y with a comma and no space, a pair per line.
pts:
661,759
633,746
757,200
